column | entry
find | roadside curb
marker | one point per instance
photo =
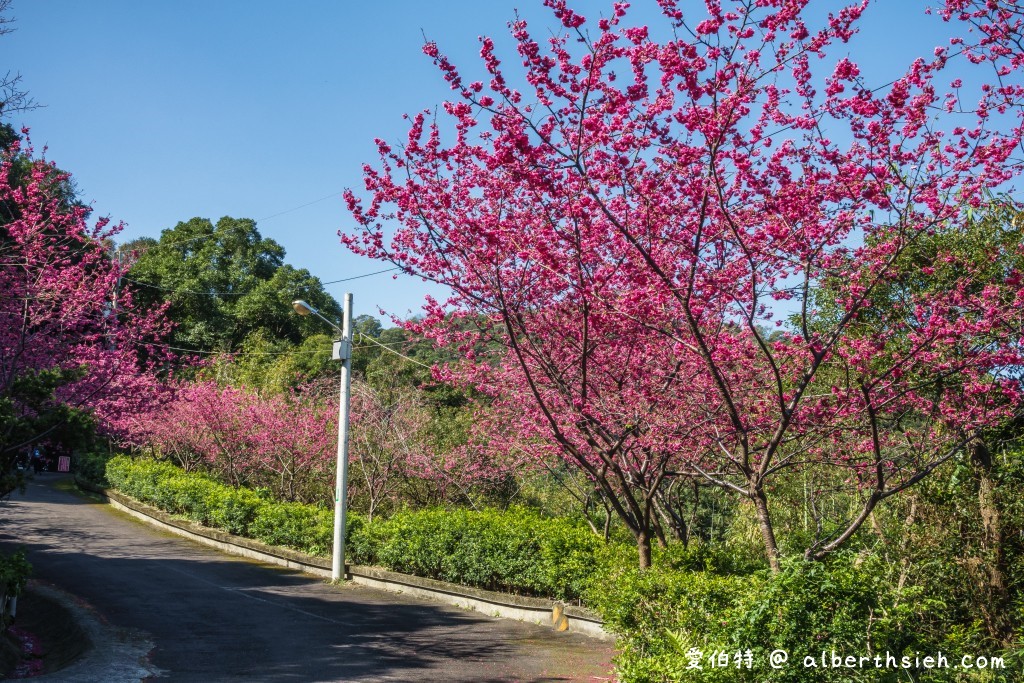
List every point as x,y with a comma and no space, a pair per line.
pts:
110,654
554,614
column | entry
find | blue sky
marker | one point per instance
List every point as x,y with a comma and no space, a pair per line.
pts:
168,110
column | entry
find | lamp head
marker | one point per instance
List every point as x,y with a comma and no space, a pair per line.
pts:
301,307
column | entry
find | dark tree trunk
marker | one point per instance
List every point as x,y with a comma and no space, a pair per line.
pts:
994,572
643,545
764,521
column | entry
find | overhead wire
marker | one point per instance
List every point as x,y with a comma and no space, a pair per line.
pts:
180,291
374,341
357,277
301,206
219,293
257,220
204,352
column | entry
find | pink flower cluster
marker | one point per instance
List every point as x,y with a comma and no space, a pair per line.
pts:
60,306
626,228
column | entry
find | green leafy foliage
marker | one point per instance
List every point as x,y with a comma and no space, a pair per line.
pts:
660,613
92,466
295,525
277,365
665,617
14,572
514,550
30,411
225,283
234,510
239,511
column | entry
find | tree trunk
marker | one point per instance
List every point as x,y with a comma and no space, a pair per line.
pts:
659,532
671,519
905,542
992,543
643,545
764,520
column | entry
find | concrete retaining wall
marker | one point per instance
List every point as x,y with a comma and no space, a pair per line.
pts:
557,615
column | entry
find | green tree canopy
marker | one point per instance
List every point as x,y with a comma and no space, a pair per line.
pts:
225,283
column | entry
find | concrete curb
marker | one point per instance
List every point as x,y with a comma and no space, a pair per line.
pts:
557,615
114,655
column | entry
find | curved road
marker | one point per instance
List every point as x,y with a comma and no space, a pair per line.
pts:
206,616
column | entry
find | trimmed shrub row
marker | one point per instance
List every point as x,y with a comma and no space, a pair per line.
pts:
92,466
515,551
699,625
240,511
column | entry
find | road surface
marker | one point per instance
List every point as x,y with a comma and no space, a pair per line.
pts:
206,616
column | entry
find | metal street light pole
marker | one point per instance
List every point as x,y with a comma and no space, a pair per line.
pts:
342,352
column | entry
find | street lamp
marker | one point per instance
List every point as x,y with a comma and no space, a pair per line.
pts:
342,352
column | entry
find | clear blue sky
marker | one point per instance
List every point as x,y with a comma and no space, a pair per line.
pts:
168,110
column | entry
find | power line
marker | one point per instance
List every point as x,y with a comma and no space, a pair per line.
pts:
216,293
296,352
302,206
204,352
371,339
181,291
357,277
257,220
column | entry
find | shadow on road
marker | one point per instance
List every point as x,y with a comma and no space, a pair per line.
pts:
214,617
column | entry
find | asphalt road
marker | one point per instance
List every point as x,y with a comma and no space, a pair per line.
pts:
200,615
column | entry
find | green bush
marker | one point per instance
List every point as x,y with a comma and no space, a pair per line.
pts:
810,607
187,495
238,511
660,613
477,549
844,605
141,479
234,510
515,550
364,542
14,572
294,525
92,467
570,556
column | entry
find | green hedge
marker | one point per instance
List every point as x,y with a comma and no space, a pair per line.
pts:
513,550
278,523
242,512
516,551
844,605
91,466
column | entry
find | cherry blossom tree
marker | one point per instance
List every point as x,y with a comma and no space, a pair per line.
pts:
644,224
285,442
71,348
386,441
